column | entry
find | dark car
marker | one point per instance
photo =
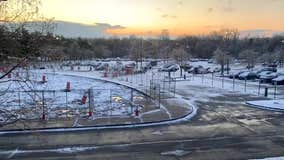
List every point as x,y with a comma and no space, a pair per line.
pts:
248,76
268,77
198,70
147,66
154,63
272,69
279,80
273,65
235,74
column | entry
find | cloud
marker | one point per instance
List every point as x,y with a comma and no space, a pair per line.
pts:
180,2
229,9
168,16
210,10
159,9
227,6
108,26
97,30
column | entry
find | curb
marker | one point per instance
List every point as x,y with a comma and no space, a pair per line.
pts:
184,118
263,107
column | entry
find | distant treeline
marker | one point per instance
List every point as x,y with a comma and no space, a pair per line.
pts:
21,43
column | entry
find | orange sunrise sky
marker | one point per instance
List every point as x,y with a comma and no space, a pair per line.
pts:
179,17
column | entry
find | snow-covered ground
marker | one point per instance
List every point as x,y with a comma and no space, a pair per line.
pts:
105,92
273,158
268,104
109,98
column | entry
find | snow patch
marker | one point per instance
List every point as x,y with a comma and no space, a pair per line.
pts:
273,158
178,153
268,104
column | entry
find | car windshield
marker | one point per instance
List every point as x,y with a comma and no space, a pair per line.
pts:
141,79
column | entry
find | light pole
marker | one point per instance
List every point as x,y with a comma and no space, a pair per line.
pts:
281,54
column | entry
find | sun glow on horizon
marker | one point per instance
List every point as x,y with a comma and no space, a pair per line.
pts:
180,17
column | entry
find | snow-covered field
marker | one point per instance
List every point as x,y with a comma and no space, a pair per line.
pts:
27,96
110,98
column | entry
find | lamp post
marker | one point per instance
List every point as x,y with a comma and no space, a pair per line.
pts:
281,54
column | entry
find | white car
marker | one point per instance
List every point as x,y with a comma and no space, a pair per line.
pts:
170,67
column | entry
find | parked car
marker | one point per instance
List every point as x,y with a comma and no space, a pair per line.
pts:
279,80
264,73
198,70
186,66
102,66
129,65
154,63
147,66
211,61
266,69
170,67
216,69
250,67
193,60
42,68
268,77
247,75
273,65
235,74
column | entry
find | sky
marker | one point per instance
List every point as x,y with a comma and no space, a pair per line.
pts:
179,17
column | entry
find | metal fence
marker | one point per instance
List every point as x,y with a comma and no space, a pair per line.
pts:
97,103
233,84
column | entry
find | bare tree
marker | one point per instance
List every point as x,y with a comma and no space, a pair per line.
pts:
164,44
19,18
250,57
222,58
180,56
134,49
280,54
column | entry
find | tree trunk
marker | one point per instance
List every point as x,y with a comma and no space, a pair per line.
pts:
222,69
228,67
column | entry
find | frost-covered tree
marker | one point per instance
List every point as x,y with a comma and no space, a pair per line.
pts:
250,57
180,56
222,58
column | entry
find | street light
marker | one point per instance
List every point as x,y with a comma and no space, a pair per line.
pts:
281,50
